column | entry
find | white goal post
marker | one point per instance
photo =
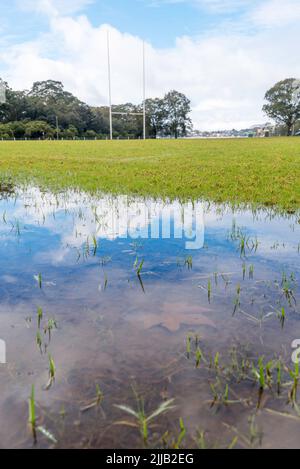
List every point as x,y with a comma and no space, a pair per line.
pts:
111,112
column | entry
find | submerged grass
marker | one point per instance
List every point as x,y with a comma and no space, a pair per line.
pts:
248,171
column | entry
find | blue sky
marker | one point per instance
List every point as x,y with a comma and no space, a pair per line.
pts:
159,22
223,54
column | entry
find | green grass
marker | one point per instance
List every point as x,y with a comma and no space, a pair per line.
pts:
252,171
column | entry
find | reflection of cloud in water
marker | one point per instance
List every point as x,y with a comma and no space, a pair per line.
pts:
77,217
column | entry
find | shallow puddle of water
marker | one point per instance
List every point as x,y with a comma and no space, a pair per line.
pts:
164,301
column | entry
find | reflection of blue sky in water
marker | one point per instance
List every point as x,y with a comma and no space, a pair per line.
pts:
105,217
54,235
48,227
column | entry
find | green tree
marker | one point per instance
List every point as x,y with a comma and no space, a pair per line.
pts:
178,108
48,100
284,103
70,133
18,129
16,106
91,134
6,131
156,115
48,91
100,120
39,129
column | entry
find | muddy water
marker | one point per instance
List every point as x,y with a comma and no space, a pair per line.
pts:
126,283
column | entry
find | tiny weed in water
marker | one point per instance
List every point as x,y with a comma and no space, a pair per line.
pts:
189,262
31,413
52,372
40,316
141,418
209,290
39,340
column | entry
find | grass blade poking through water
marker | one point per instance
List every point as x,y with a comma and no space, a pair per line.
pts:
39,280
33,421
188,346
139,268
52,372
96,402
49,327
95,245
189,262
31,413
39,341
142,420
237,301
295,376
282,317
209,290
40,316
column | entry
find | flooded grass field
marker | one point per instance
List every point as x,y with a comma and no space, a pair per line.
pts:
256,171
134,323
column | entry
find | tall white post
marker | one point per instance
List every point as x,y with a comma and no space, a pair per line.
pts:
109,88
144,92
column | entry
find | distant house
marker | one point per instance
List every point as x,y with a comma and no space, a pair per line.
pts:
264,130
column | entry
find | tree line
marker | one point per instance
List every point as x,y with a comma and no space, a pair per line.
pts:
48,111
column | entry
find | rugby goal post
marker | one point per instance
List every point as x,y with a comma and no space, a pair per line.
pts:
113,113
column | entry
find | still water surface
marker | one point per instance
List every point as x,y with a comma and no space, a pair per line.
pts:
126,284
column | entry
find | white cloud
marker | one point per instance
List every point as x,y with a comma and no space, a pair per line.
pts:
225,74
216,6
223,5
275,13
54,7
